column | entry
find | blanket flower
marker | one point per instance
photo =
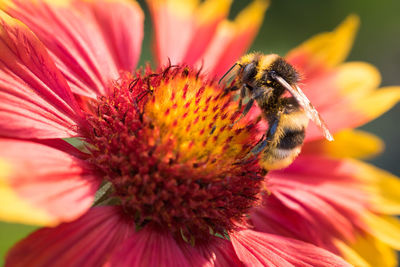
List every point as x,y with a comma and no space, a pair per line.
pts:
157,175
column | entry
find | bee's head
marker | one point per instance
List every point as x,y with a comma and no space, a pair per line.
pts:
248,67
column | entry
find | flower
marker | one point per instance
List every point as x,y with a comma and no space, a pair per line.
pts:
176,188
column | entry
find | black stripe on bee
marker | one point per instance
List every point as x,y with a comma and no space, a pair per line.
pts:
291,139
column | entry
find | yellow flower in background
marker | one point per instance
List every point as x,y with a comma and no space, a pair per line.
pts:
161,143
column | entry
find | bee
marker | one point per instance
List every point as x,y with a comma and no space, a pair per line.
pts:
264,79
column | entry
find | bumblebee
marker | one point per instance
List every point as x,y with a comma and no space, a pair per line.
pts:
264,79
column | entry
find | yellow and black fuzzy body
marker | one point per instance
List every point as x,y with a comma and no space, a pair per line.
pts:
264,79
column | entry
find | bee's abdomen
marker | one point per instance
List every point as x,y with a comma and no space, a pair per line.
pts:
291,138
288,141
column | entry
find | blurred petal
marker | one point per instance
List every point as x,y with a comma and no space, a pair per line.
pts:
122,29
88,241
384,228
339,116
72,31
326,49
43,185
173,22
208,17
225,50
351,256
377,103
355,79
193,33
347,144
224,36
344,84
261,249
35,99
383,187
152,247
369,252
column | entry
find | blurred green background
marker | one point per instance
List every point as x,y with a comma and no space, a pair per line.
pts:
290,22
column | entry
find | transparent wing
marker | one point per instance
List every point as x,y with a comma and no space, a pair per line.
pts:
311,112
230,74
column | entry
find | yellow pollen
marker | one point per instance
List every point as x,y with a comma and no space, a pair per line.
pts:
199,118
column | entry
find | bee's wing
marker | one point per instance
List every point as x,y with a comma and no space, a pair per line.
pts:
233,71
312,113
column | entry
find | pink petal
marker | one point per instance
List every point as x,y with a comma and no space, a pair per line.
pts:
208,18
347,114
232,51
122,29
322,195
219,253
153,247
88,241
261,249
75,35
174,25
35,99
52,181
277,218
62,145
232,40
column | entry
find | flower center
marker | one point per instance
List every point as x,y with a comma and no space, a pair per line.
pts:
169,144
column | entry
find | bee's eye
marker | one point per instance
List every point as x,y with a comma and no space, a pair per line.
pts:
272,74
249,72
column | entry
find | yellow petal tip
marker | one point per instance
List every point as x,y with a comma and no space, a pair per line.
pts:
355,144
330,48
211,10
253,15
13,208
378,102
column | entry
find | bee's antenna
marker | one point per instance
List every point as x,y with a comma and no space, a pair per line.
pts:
226,73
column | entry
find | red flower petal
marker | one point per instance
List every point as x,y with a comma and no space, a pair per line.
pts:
35,101
326,204
261,249
351,114
219,252
73,32
208,17
46,184
277,218
122,29
173,27
151,247
233,39
88,241
200,34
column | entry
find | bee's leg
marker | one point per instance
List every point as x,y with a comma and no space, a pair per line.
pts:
258,92
252,155
230,89
249,103
242,95
269,137
273,127
247,107
260,145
